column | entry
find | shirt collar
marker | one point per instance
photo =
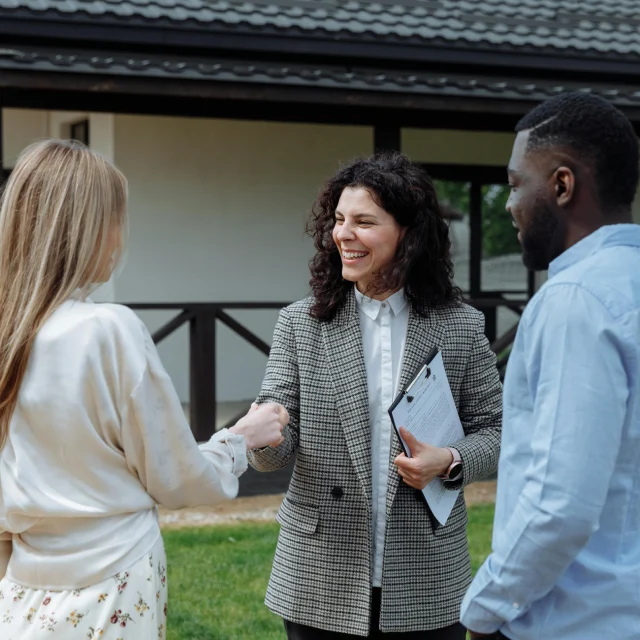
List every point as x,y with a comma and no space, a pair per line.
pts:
397,302
612,235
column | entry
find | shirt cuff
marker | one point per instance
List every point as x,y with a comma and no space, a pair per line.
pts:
236,447
486,607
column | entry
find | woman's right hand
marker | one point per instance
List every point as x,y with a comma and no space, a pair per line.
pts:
263,425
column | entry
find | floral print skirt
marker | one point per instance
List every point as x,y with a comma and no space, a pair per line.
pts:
132,605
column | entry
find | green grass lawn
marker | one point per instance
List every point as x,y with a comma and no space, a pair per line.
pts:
218,577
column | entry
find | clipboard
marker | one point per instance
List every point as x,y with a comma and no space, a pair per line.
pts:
418,380
434,418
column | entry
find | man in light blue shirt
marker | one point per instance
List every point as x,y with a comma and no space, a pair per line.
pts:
566,543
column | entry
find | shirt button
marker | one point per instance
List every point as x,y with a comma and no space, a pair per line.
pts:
516,605
384,305
337,493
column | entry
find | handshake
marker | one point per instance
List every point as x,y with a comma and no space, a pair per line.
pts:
262,426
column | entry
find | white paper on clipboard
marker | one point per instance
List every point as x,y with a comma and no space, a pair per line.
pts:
427,409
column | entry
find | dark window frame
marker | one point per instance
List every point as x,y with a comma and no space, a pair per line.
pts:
79,131
477,176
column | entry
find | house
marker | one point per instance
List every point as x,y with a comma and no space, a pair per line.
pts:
228,115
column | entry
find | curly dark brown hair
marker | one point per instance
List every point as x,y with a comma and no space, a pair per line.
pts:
422,263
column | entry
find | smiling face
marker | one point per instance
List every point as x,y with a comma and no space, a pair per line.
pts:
366,236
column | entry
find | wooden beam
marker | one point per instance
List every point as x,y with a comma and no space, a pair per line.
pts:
173,324
485,174
475,239
243,332
253,101
202,383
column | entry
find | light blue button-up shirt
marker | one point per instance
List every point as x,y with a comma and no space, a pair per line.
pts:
566,542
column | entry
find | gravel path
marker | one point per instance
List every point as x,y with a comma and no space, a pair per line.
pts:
264,508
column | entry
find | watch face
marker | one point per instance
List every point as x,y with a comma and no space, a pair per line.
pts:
455,470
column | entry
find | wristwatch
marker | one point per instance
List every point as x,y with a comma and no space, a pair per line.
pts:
455,468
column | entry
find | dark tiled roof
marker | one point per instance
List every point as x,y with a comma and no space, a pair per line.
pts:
601,27
303,75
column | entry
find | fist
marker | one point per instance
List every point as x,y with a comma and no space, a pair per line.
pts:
263,425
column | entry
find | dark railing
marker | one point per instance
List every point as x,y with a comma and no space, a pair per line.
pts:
500,344
203,316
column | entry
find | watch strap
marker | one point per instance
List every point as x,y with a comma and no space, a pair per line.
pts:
455,466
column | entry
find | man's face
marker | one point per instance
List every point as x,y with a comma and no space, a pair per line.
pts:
533,207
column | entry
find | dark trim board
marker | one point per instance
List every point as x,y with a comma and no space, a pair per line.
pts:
484,174
264,104
108,96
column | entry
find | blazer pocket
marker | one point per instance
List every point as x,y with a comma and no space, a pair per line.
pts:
298,516
457,522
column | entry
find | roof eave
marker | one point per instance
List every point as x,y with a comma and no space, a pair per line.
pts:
318,44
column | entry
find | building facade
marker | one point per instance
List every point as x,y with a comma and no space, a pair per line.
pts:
227,117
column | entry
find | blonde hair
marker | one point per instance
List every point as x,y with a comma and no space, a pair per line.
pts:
59,210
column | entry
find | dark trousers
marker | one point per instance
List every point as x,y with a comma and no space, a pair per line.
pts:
301,632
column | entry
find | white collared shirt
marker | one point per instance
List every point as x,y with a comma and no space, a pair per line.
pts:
384,333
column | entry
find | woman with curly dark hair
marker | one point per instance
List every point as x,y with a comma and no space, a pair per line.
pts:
358,553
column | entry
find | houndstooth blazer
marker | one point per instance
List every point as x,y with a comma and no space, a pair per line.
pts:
322,571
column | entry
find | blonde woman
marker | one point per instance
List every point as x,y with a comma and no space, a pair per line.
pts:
93,436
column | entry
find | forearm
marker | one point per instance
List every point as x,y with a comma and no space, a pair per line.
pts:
564,462
480,452
529,558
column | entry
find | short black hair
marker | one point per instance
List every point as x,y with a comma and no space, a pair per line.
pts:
596,130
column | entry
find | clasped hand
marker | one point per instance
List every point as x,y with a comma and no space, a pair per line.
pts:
426,463
263,425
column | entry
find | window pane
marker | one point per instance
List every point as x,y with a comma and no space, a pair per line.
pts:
502,269
454,202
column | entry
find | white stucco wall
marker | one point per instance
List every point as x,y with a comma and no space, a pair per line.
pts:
458,147
21,127
217,214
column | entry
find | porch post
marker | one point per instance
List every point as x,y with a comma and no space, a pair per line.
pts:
202,379
531,283
475,259
475,239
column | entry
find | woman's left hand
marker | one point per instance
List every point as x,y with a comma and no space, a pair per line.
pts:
426,463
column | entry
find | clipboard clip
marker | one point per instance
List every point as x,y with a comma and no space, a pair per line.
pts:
427,375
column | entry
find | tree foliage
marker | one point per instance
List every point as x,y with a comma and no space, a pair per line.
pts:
498,235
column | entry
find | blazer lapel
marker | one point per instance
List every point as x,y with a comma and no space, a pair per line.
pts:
345,357
423,334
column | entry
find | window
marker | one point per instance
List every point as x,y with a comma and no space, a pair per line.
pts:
80,131
486,252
